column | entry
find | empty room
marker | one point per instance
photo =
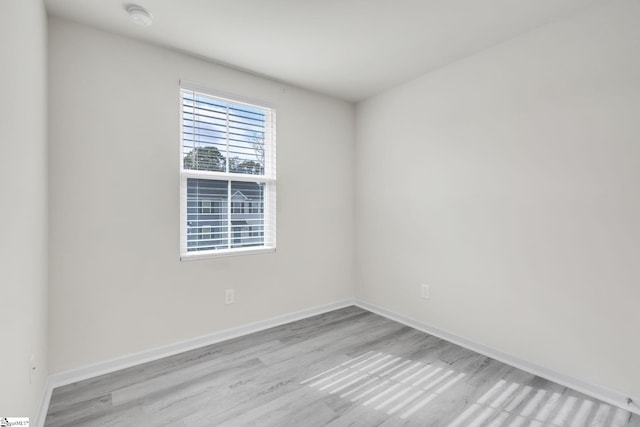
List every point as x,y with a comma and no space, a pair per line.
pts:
320,213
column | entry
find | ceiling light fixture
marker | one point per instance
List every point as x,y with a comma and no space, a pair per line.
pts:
140,16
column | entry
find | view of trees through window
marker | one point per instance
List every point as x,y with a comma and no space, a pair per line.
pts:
210,159
221,136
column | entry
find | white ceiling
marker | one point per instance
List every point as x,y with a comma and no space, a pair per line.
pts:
350,49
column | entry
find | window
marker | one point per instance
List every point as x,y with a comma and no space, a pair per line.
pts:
206,232
228,175
204,206
236,207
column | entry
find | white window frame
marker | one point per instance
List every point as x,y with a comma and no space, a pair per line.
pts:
269,180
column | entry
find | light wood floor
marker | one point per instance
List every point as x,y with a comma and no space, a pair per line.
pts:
344,368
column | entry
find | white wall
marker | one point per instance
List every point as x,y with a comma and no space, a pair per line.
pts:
509,182
23,205
117,285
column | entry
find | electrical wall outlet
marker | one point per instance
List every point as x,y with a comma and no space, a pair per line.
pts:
424,291
229,296
32,367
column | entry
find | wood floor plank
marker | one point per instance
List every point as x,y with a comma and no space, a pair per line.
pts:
348,367
79,412
283,410
218,369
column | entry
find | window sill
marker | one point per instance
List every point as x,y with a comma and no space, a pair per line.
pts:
191,256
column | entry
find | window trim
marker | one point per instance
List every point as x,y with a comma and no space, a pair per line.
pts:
269,179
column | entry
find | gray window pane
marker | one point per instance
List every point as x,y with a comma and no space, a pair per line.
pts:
207,206
247,214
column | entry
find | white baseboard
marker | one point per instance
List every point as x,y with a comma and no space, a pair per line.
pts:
89,371
602,393
96,369
45,398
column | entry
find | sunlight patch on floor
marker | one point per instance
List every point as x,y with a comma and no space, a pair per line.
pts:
402,387
386,383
